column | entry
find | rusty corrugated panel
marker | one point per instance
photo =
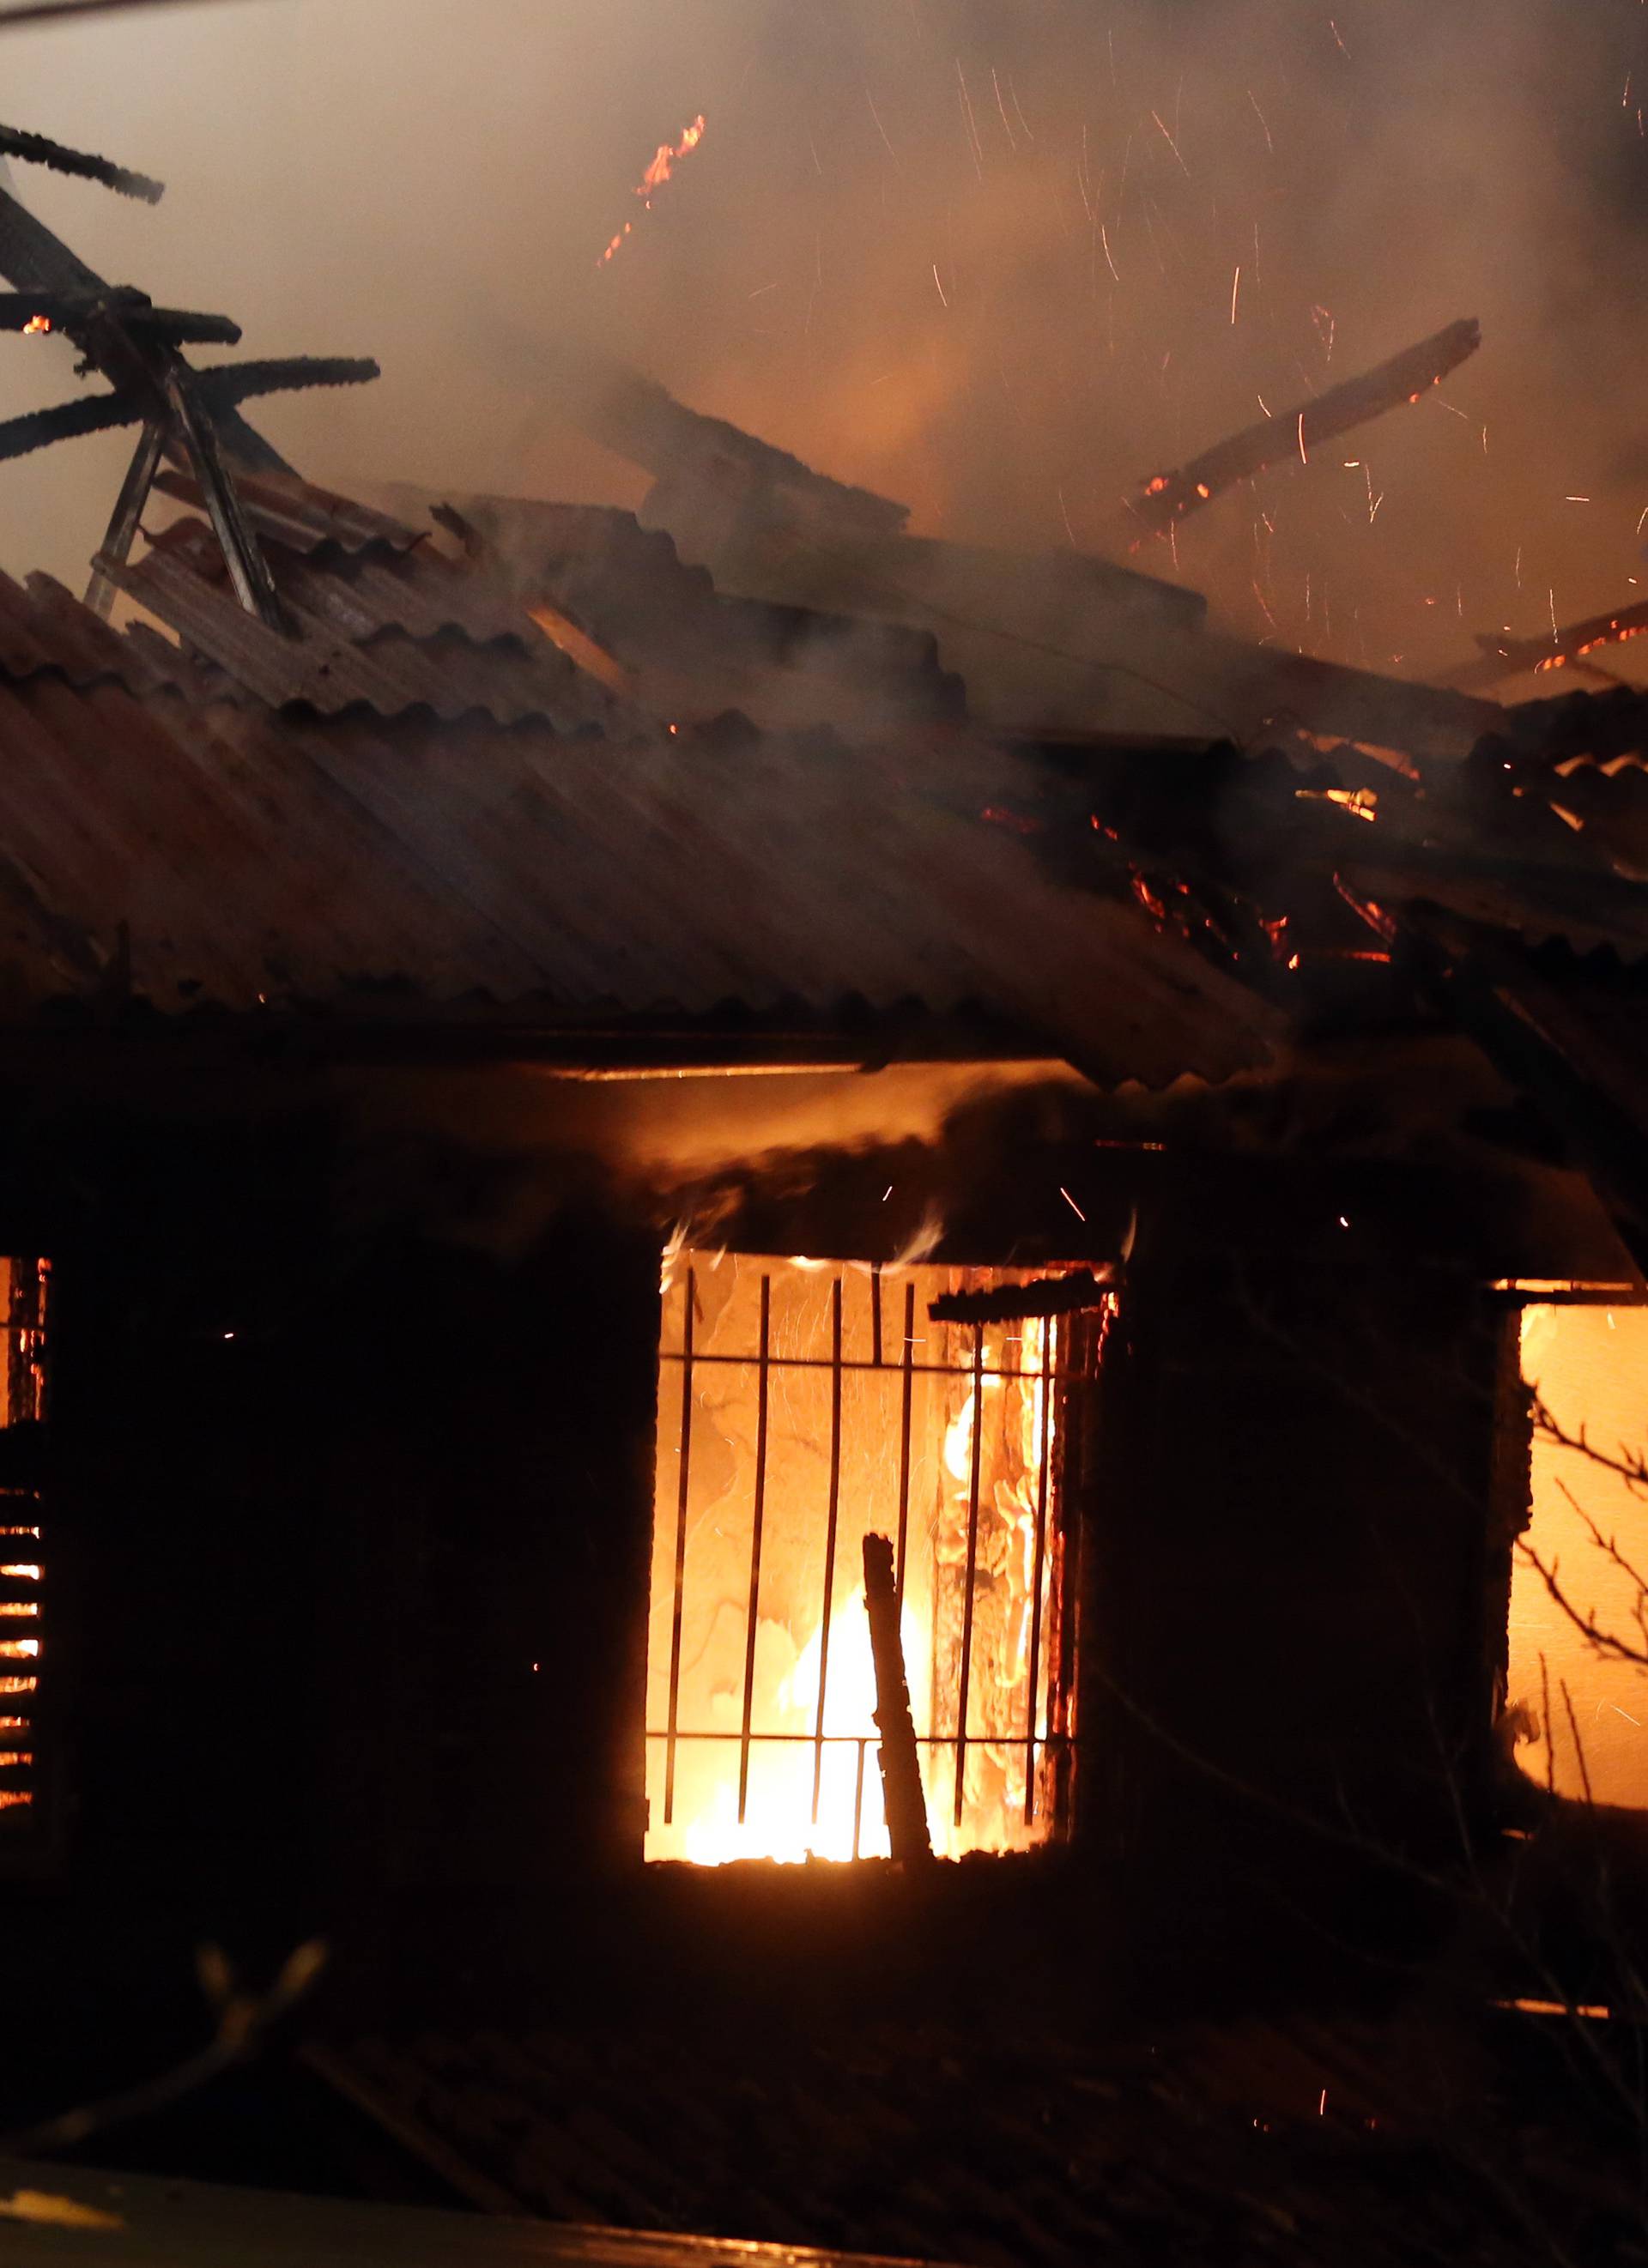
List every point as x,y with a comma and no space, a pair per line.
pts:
221,854
332,667
44,627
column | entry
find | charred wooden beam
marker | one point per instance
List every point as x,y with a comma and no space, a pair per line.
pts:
1507,656
67,310
248,569
1169,497
33,259
126,514
39,150
902,1794
641,420
1013,1303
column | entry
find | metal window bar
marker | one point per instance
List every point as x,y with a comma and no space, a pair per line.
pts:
681,1546
906,1407
1049,1744
973,1567
763,1379
831,1524
1047,1336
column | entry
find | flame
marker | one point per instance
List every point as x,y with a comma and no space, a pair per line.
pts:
801,1800
19,1649
36,326
660,170
12,1799
579,648
664,160
24,1610
12,1685
22,1572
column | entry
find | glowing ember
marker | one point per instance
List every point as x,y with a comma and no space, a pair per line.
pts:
660,170
36,325
19,1649
13,1799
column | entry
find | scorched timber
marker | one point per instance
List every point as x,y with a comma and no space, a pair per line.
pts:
902,1797
1503,657
1295,432
1013,1303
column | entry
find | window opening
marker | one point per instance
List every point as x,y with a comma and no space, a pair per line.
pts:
1579,1710
804,1405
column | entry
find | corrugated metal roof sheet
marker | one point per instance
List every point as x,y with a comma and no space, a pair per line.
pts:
191,853
44,627
388,641
301,516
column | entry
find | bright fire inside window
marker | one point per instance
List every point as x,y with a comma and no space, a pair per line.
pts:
802,1406
24,1298
1579,1709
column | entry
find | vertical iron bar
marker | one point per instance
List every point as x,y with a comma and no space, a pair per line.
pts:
858,1797
1047,1330
830,1541
972,1563
763,1372
904,1430
681,1547
874,1314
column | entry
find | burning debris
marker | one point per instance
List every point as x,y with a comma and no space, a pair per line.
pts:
1169,497
190,416
661,169
1568,648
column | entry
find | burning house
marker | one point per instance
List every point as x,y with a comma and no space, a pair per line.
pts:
653,1223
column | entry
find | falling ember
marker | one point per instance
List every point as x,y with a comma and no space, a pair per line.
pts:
660,170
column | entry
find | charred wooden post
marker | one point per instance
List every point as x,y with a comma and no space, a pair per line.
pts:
902,1794
1168,496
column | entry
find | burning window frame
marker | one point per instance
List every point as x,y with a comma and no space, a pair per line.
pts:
847,1365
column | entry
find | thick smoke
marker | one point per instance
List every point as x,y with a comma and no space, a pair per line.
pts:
980,254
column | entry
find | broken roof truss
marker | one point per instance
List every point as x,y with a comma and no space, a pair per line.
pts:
190,416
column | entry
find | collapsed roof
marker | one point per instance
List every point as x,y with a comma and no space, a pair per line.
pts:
760,763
